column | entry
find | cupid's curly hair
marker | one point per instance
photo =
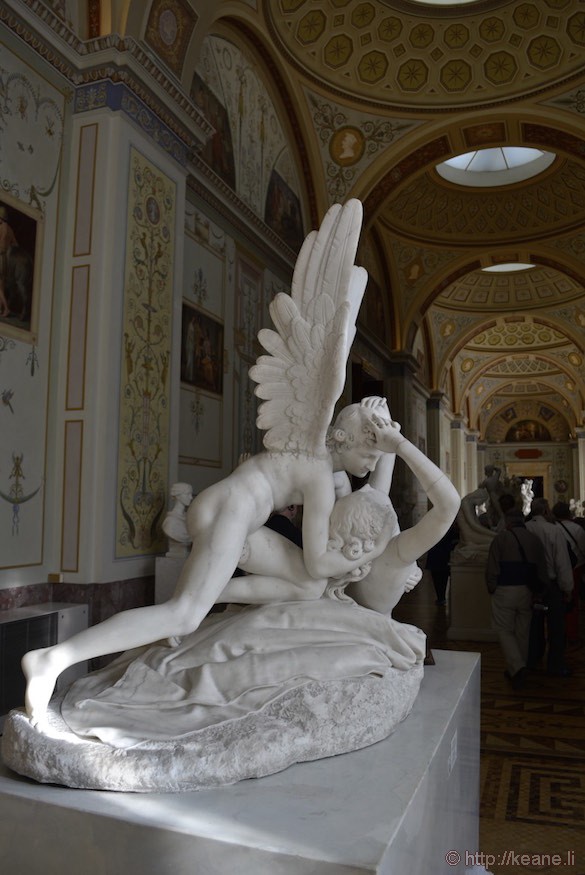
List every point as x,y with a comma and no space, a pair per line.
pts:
357,519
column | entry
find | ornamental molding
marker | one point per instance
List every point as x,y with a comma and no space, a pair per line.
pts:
114,58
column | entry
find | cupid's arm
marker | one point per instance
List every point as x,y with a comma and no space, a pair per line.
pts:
381,476
413,542
318,501
443,496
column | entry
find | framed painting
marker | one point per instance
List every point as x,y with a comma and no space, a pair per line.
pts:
201,350
21,237
528,430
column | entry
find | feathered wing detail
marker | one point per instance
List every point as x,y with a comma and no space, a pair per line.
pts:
302,377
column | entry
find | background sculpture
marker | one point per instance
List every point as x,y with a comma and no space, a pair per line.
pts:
474,539
175,523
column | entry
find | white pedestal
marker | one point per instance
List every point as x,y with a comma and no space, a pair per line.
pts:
396,807
470,607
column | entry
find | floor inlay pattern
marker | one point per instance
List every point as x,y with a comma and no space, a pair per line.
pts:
532,807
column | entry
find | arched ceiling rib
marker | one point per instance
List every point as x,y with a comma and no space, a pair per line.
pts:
485,292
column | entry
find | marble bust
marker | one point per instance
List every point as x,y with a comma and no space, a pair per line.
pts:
175,522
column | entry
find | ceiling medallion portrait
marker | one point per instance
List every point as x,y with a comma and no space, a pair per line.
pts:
346,146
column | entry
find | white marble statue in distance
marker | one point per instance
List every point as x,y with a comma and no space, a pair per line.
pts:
527,493
474,539
495,489
300,381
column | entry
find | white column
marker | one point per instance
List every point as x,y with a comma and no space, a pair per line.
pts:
579,473
471,441
480,462
434,414
399,384
458,456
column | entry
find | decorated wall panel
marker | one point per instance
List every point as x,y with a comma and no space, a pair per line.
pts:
249,149
144,378
31,132
205,366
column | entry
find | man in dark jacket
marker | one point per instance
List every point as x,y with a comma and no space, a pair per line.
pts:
516,568
283,522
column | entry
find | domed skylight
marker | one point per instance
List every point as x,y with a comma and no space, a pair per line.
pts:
508,267
499,166
444,2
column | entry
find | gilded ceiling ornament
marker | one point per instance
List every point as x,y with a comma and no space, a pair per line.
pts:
329,38
456,75
576,28
311,26
500,68
544,52
169,29
526,15
456,36
168,26
413,75
346,146
373,67
346,141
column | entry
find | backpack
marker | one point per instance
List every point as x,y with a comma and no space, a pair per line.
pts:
523,572
572,554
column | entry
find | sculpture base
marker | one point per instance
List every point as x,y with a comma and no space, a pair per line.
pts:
396,806
309,722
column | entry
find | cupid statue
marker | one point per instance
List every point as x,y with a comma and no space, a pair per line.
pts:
316,637
300,381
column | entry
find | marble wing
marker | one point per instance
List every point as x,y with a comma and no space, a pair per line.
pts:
303,375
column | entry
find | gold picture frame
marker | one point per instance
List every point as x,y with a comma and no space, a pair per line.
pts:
21,243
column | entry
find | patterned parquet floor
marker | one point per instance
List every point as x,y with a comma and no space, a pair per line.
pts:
532,808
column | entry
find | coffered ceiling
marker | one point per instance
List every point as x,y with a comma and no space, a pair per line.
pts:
446,80
376,94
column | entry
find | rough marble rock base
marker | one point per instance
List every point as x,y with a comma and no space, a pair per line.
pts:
310,722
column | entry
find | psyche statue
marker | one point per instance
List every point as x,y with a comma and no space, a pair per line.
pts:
313,665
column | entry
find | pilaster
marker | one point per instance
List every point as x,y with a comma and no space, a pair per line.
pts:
458,455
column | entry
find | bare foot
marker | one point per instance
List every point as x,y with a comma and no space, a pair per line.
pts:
41,678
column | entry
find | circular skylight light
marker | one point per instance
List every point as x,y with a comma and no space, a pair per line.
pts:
508,267
503,165
444,2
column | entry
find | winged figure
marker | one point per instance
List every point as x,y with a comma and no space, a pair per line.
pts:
303,376
299,381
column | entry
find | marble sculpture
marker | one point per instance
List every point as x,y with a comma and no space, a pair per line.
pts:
474,539
313,665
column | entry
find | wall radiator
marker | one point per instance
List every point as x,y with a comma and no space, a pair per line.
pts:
23,629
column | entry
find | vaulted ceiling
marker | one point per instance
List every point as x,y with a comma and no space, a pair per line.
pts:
376,94
415,84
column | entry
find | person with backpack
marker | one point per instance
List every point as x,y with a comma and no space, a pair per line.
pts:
515,573
575,537
557,596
